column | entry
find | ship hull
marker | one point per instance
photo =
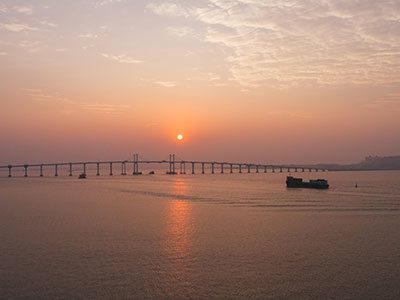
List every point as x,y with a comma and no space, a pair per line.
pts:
319,184
307,185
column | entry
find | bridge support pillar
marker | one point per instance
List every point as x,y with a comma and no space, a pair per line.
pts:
302,170
257,168
222,168
70,169
9,171
295,169
288,170
281,170
171,165
98,170
316,170
123,168
240,168
26,170
136,164
84,169
41,170
192,167
265,169
309,170
111,169
56,170
212,168
231,168
273,169
182,168
202,168
248,168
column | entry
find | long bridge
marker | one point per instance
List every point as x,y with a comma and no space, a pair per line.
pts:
215,166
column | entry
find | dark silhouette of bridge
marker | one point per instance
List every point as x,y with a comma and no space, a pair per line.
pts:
213,167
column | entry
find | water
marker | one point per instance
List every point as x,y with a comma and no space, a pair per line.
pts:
231,236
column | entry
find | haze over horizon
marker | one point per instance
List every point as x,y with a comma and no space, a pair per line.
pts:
242,80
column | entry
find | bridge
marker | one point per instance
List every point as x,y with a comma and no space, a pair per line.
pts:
213,167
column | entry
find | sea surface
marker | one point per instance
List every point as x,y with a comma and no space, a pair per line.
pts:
222,236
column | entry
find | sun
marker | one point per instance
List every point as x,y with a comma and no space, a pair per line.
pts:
179,137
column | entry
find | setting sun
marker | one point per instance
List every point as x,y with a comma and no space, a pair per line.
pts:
179,137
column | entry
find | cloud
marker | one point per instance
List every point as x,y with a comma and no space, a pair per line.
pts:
3,8
123,58
105,108
167,84
169,8
106,2
88,36
40,95
31,46
181,31
17,27
49,24
296,42
27,10
390,100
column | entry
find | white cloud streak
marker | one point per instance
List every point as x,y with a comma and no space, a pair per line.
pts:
26,10
109,109
167,84
88,36
123,58
106,2
40,95
47,23
17,27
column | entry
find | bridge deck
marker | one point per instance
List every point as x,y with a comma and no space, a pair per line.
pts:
172,165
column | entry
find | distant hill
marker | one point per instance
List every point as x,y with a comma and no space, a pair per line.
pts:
369,163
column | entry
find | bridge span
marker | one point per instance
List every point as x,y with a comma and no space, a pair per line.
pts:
211,166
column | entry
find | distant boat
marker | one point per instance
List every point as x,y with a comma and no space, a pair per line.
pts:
292,182
82,176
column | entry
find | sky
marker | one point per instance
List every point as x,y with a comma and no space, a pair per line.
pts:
263,81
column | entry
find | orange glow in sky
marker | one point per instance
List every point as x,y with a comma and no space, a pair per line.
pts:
98,80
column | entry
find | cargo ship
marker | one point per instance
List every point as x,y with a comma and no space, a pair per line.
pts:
292,182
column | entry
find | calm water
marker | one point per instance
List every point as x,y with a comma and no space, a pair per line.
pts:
240,236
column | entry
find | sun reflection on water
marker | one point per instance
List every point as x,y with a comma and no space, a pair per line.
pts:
178,246
179,222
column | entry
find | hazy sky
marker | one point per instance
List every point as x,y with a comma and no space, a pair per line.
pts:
243,80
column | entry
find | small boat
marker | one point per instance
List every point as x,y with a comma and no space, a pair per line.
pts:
292,182
82,176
